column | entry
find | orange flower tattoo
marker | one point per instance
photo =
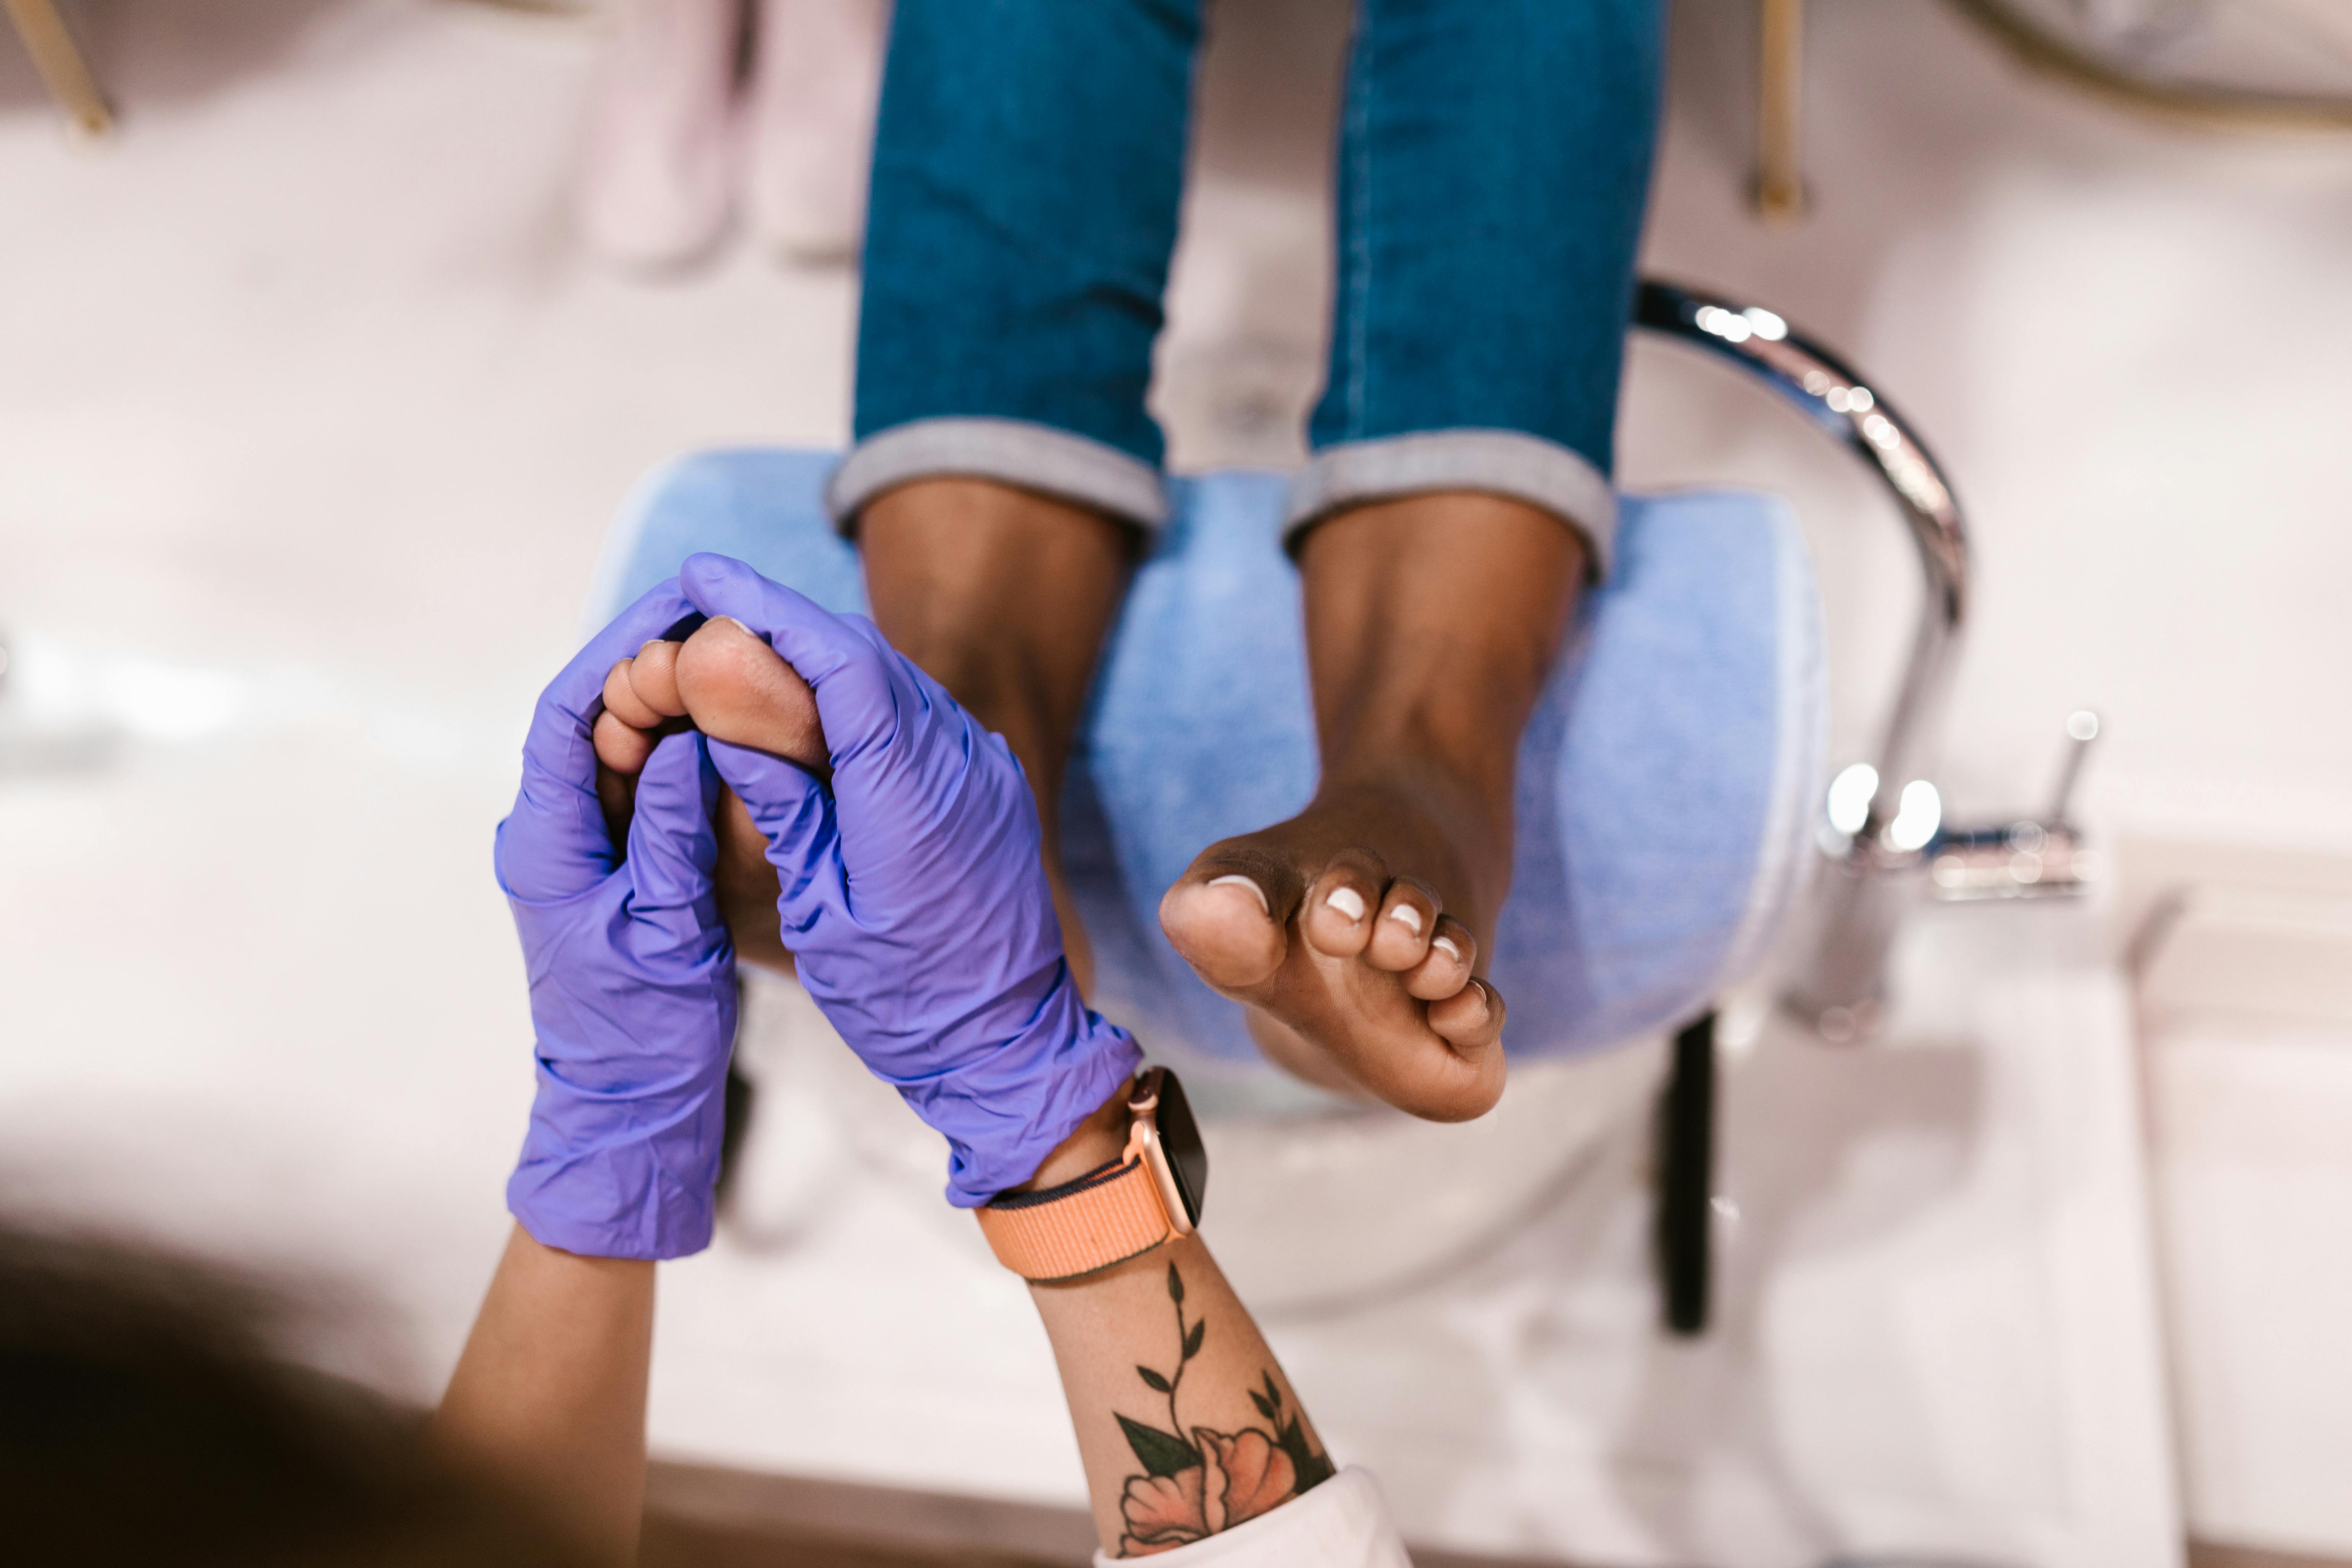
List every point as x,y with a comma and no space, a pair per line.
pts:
1194,1487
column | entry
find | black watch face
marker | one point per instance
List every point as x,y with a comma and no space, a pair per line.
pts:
1180,1140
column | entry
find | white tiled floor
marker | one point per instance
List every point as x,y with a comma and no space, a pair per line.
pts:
2257,1182
310,418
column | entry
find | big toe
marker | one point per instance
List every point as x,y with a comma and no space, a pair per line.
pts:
1223,926
739,689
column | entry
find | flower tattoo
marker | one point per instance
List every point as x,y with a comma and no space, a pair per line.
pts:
1192,1486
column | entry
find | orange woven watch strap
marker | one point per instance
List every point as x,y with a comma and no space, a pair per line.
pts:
1106,1220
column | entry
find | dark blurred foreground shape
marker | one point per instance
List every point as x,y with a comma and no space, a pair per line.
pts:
146,1418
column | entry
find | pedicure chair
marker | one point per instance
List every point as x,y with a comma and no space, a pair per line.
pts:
1673,815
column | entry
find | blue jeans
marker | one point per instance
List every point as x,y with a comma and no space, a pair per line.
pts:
1494,162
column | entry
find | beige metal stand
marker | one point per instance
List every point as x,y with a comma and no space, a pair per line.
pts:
58,59
1780,192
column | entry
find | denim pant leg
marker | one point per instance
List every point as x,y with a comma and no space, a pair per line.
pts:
1494,167
1028,165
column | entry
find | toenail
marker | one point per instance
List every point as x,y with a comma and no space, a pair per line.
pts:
1446,944
1348,902
1237,879
1408,917
738,625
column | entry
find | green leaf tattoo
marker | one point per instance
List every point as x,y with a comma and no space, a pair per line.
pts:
1311,1468
1152,1378
1159,1453
1175,1286
1192,1340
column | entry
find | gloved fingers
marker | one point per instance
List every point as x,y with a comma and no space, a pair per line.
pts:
790,807
554,844
916,688
673,841
573,699
917,691
855,698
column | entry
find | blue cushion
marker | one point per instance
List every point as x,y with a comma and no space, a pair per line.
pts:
1665,782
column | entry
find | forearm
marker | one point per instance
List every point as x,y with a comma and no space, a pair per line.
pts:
1184,1420
549,1391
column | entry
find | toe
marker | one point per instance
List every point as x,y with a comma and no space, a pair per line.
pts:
1470,1020
623,702
1445,969
1408,918
616,795
1222,925
739,689
746,884
621,747
653,676
1451,1071
1337,917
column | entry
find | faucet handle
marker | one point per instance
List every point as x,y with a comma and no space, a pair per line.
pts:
2035,858
2081,730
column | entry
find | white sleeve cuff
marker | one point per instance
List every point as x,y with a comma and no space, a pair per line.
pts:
1343,1523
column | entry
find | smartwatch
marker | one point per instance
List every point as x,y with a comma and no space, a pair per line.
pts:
1149,1196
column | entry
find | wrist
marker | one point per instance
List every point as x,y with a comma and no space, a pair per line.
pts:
1096,1141
1041,1093
1099,1201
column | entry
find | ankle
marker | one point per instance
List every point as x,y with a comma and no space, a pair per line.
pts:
951,570
1434,623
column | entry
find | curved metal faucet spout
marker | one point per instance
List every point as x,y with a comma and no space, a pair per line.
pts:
1838,982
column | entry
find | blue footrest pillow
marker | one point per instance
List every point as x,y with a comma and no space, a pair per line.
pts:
1666,783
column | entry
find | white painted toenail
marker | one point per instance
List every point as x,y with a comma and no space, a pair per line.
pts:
1446,944
1348,902
1408,917
1237,879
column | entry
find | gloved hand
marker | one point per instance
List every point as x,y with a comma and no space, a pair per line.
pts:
913,901
632,975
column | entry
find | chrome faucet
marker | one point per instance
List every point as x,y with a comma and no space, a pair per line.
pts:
1882,821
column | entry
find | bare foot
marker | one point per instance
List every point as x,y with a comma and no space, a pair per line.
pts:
733,686
1354,929
1361,975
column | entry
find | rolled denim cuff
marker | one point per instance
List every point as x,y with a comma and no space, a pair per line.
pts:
1499,462
1013,451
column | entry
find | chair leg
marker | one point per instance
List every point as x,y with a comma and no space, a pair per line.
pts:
1780,192
58,59
735,1128
1685,1177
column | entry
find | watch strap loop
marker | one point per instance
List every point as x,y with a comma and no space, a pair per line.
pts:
1104,1217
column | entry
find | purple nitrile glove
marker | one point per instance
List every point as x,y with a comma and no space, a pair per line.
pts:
913,901
632,974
